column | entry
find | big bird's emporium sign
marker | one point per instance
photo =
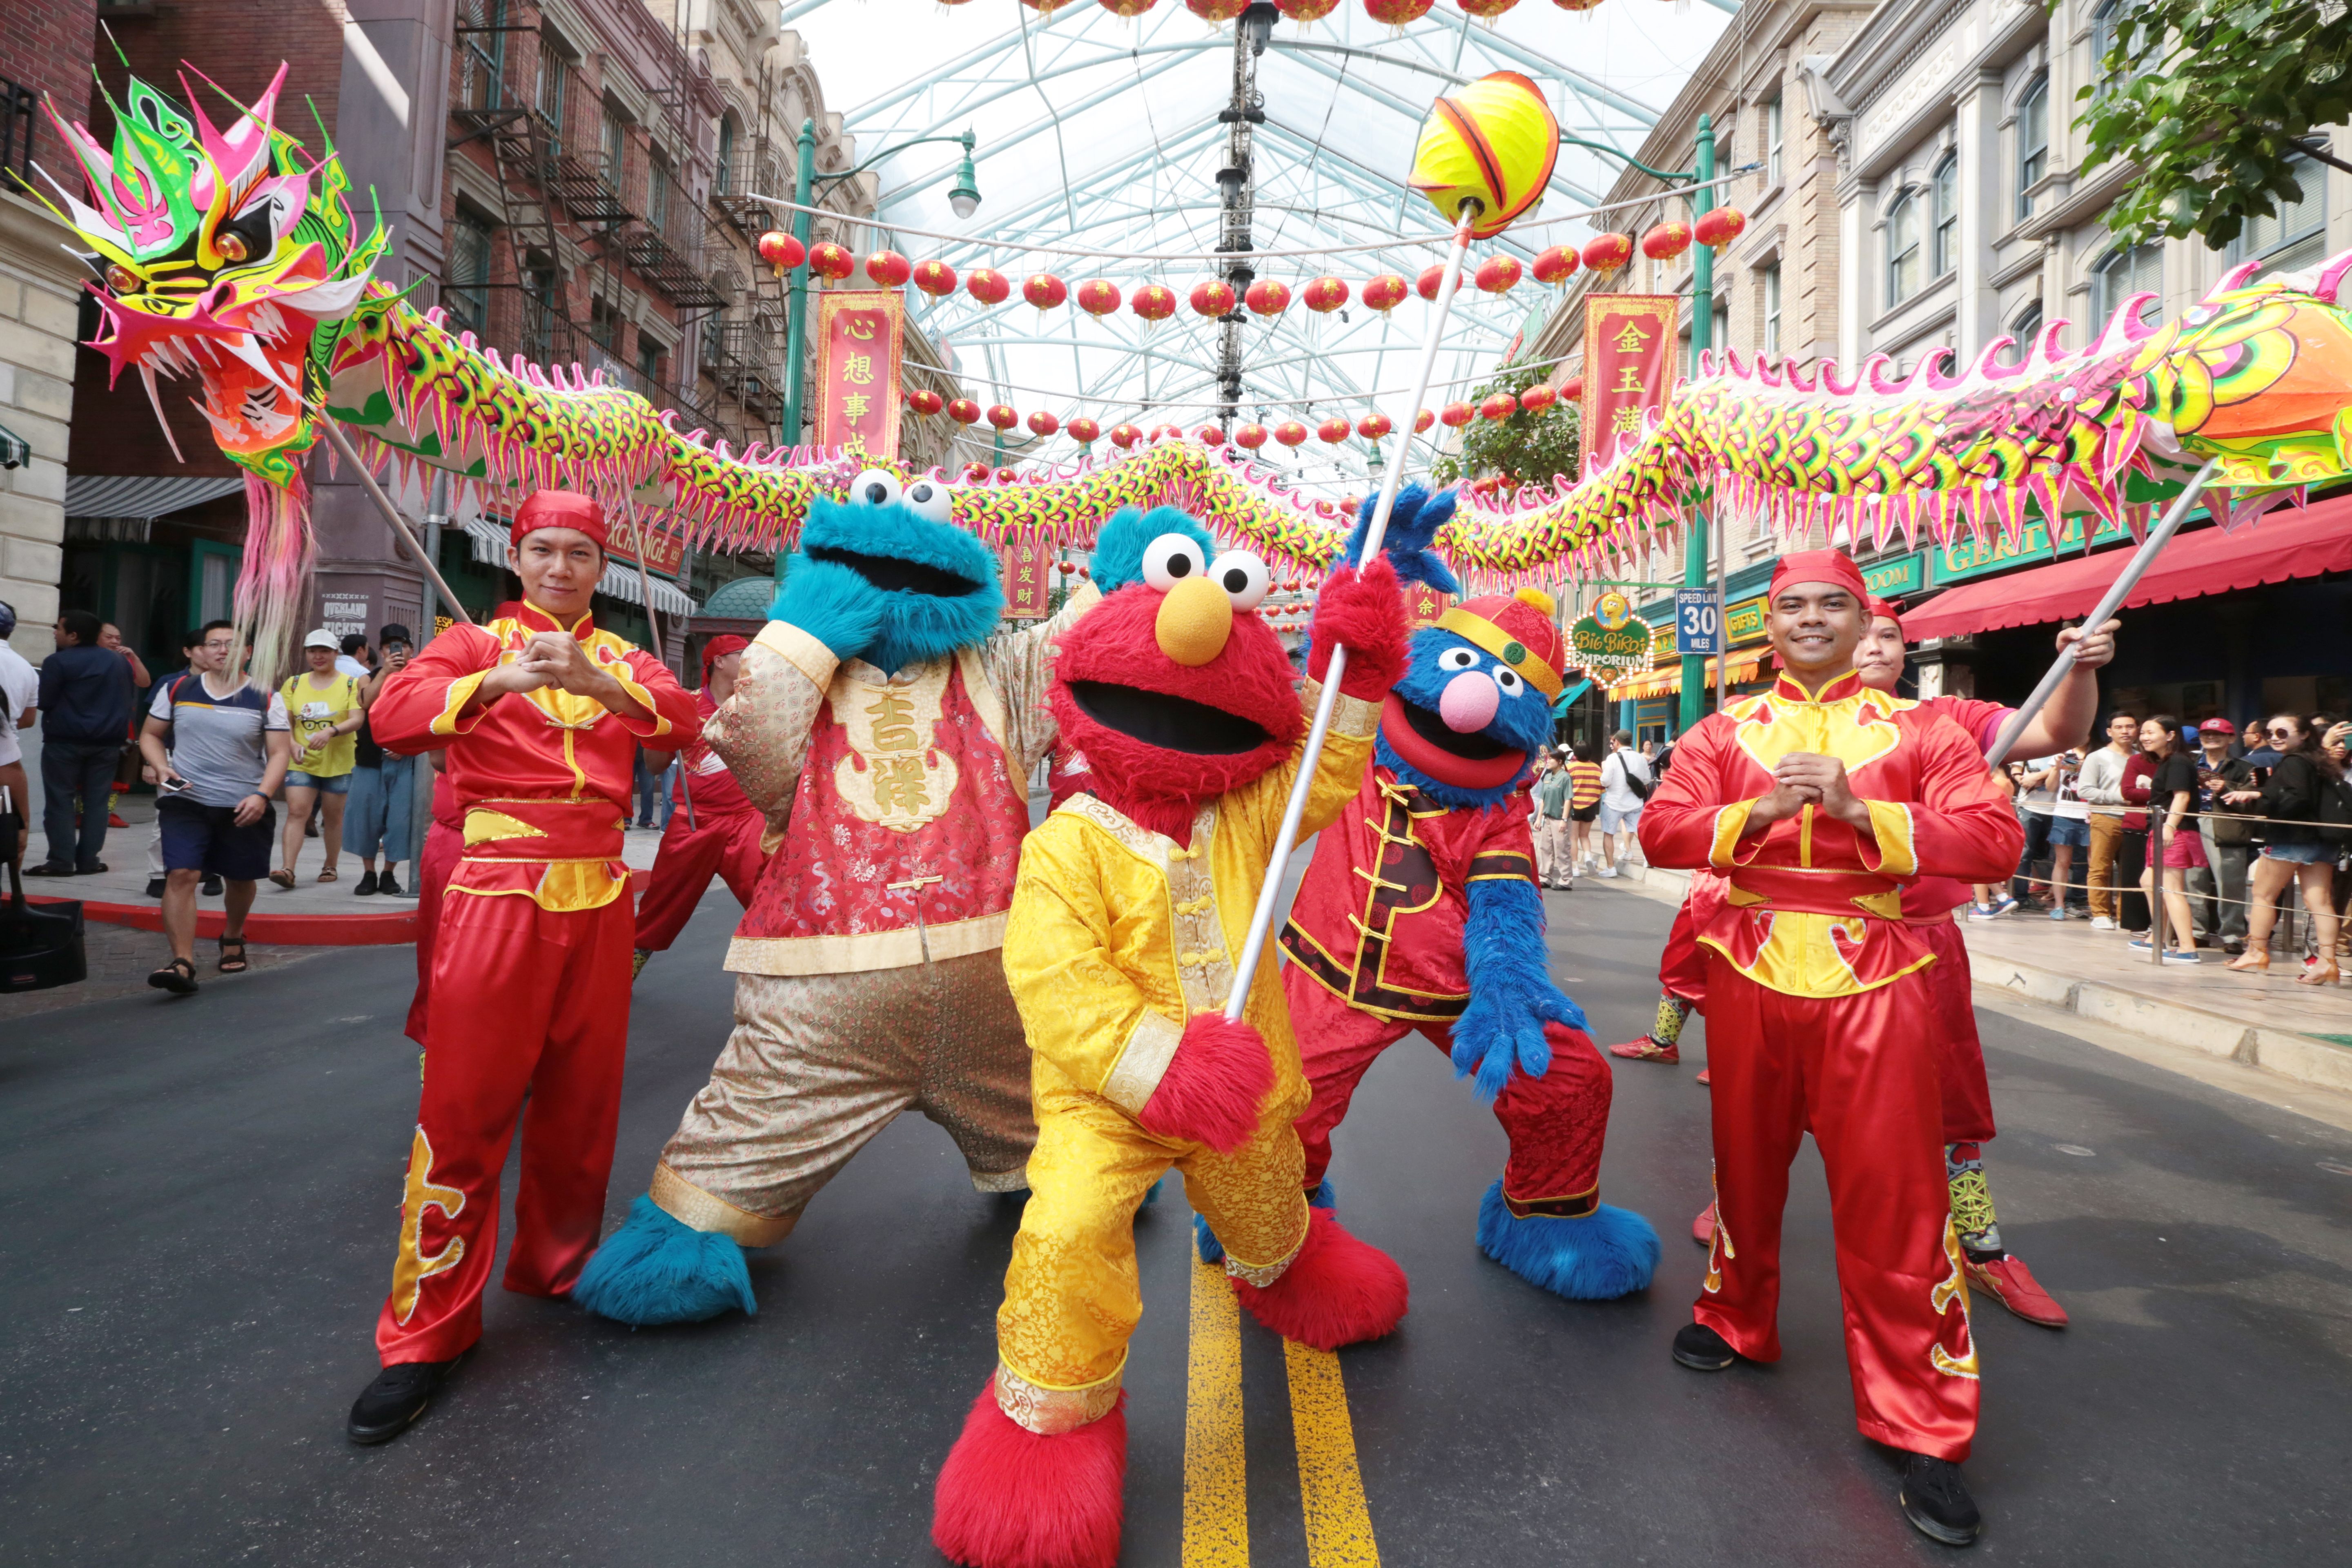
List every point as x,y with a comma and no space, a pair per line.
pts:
1612,643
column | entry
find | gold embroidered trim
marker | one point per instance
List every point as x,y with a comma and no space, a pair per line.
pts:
799,651
1143,1063
865,951
1264,1274
1013,1181
1049,1412
691,1207
461,691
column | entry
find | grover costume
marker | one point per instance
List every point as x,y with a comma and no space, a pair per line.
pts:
888,739
1422,912
1134,899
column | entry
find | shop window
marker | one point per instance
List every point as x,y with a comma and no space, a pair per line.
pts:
2109,23
482,39
2033,143
1903,249
723,181
1944,199
548,95
467,296
2122,273
538,307
650,362
1772,122
2294,236
658,184
1772,309
614,152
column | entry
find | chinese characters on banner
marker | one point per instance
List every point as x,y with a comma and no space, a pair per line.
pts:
1028,573
1629,342
860,332
1423,605
666,551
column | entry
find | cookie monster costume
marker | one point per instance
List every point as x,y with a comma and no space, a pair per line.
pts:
1134,896
889,738
1422,912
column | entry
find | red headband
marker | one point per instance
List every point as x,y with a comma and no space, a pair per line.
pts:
1819,566
1887,609
560,508
719,647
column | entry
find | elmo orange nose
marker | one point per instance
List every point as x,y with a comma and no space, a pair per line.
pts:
1195,620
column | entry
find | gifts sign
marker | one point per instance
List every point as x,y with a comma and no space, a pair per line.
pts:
860,333
1627,368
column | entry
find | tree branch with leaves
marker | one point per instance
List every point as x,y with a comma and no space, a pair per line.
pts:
1525,448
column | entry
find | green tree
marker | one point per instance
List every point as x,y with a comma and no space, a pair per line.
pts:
1525,448
2211,100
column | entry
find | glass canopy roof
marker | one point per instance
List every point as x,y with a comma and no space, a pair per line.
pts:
1102,133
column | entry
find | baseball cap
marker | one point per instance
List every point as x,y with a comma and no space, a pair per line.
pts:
2217,727
393,631
324,638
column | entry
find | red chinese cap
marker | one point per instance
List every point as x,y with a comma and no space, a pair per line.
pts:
560,508
1887,609
1516,628
719,647
1819,566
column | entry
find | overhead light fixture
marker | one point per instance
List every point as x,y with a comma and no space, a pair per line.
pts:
1257,25
965,195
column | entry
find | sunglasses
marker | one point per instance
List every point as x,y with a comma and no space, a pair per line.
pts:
2282,732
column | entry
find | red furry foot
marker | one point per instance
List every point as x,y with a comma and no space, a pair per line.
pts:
1010,1498
1365,610
1338,1291
1210,1091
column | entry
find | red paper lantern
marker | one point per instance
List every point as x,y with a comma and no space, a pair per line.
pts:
1210,436
935,277
889,270
1002,416
1573,390
963,411
1719,228
1216,12
1396,12
1576,5
1502,406
1537,398
1324,295
1154,302
1129,8
1213,298
988,286
1083,431
1166,433
975,473
1067,567
1422,421
1304,11
1042,424
1555,265
1250,436
1372,426
1098,297
923,400
830,262
1334,430
1607,252
1267,298
1385,294
1457,414
1426,285
1666,240
1484,10
1498,275
1125,435
1006,476
781,250
1044,291
1290,433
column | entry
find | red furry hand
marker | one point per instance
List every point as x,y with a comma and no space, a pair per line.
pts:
1210,1091
1364,611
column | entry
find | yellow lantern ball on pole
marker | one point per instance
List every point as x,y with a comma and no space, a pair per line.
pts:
1494,143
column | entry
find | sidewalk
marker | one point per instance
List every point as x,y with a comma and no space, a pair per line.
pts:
2300,1032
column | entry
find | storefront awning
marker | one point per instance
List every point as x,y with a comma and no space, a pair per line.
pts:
144,497
488,541
2284,546
1745,663
15,450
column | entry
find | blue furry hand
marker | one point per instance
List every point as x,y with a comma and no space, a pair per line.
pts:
1413,524
1505,1023
831,603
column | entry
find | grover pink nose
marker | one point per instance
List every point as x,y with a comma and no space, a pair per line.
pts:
1469,702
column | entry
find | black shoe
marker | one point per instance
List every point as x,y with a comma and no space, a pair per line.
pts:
397,1396
154,886
48,869
387,887
1701,1349
1937,1502
211,888
366,888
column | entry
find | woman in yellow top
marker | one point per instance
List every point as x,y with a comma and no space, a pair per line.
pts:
327,712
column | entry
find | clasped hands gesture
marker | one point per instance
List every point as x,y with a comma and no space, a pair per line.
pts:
1809,778
553,659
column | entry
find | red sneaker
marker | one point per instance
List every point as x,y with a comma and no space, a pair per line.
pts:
114,819
1646,1050
1702,1080
2008,1281
1703,1227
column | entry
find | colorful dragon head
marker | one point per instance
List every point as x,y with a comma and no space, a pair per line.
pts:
223,256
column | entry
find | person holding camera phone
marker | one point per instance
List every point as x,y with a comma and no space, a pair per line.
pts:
220,747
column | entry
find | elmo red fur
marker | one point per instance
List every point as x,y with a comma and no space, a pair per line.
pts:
1211,1091
1338,1291
1010,1498
1365,610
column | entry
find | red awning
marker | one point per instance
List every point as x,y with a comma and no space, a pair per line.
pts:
2279,547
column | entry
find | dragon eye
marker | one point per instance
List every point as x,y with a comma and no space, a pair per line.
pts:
1456,658
1509,681
122,280
1243,576
931,500
1170,559
875,487
231,245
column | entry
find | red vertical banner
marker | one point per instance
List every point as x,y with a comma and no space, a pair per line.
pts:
1027,578
1629,342
1423,605
861,333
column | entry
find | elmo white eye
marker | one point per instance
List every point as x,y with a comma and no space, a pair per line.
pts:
931,500
1509,680
875,487
1456,658
1170,559
1243,576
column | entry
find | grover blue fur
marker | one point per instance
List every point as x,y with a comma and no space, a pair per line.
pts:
891,629
1118,548
1610,1253
1413,521
1523,722
1212,1250
655,1269
1511,992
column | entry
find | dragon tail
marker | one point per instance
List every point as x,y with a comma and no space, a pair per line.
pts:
281,557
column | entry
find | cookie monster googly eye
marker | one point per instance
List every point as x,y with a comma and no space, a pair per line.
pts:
875,487
1243,576
1170,559
931,500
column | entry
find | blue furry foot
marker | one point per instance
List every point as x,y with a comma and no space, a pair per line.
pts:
655,1269
1154,1195
1611,1252
1212,1250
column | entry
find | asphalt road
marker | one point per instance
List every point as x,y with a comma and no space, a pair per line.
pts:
198,1201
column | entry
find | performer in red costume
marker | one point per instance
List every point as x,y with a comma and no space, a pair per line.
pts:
443,847
1816,801
541,713
716,828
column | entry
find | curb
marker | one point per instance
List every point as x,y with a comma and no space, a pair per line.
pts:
384,929
2306,1058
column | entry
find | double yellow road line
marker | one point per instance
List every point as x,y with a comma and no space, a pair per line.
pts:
1217,1471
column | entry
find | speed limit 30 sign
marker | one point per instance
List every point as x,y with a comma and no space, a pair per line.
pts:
1698,621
